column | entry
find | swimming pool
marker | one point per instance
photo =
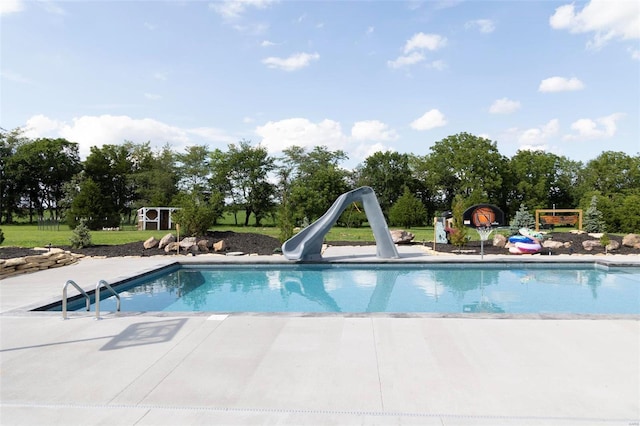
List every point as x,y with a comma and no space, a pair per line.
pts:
393,288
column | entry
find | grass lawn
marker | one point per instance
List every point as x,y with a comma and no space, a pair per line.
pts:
30,236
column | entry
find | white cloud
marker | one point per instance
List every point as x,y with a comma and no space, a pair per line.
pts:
422,41
279,135
15,77
635,53
373,130
485,26
11,6
232,9
90,131
150,26
292,63
560,84
607,20
538,135
414,49
437,65
152,96
601,128
403,61
162,76
370,30
504,106
267,43
52,7
429,120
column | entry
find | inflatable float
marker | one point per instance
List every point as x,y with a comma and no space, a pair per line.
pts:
526,243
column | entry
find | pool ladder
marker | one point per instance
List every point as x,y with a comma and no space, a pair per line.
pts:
101,283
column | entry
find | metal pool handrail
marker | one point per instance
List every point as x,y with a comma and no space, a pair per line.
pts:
64,297
105,284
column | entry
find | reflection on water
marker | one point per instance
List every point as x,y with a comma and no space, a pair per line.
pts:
385,288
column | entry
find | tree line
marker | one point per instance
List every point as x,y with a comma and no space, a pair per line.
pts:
45,177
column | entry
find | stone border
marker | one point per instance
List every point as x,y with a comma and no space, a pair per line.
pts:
38,262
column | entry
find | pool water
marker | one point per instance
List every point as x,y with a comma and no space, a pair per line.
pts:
414,288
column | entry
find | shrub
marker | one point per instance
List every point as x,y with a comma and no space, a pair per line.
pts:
197,214
1,236
81,237
458,234
522,219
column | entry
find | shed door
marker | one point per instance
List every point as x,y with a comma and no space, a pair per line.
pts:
164,219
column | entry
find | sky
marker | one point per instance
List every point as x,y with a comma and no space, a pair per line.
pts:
356,76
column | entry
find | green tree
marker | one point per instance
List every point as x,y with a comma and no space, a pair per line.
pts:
541,180
593,221
90,205
111,168
458,233
317,180
194,169
522,219
155,178
388,174
610,173
249,169
81,237
41,168
407,211
467,165
9,189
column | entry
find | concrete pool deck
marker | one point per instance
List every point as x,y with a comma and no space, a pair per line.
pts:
175,369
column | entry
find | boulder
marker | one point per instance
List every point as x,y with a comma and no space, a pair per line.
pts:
631,240
553,244
499,240
150,243
203,246
591,244
401,237
169,238
613,245
172,247
219,246
187,242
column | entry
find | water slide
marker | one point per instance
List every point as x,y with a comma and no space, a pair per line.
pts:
307,244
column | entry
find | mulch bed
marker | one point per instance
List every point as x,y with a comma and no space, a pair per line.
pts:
250,243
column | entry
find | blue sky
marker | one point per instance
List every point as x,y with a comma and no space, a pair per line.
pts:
353,75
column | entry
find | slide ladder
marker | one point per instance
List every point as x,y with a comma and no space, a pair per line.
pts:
307,244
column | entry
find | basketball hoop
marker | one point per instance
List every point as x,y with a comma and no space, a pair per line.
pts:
483,232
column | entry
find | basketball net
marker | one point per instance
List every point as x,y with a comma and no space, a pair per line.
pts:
483,232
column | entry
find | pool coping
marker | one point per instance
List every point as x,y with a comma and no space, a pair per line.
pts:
346,255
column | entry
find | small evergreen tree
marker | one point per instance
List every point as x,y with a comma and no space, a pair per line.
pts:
522,219
1,236
407,210
593,219
81,237
459,231
605,240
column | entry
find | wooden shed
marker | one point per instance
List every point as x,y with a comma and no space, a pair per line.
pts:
155,218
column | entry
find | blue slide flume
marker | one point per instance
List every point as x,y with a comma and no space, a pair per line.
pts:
307,244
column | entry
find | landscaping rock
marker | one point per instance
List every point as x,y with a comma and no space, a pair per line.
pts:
150,243
591,244
400,236
631,240
499,240
219,246
203,246
187,242
167,239
553,244
172,247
